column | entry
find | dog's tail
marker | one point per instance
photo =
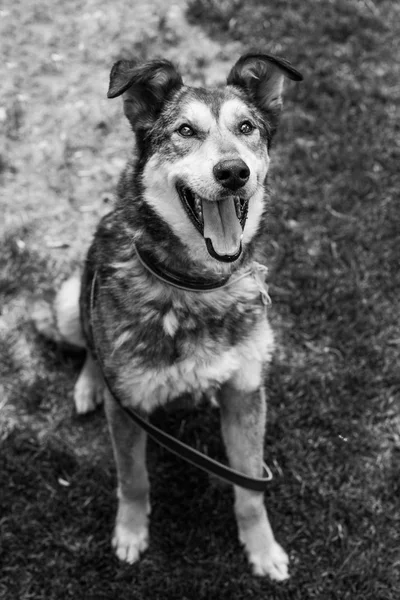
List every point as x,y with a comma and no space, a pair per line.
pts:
60,321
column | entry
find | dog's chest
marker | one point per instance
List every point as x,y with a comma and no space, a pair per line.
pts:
205,368
177,351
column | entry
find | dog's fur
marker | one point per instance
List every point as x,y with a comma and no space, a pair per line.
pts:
159,342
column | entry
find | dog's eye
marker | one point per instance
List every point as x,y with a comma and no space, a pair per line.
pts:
246,127
185,130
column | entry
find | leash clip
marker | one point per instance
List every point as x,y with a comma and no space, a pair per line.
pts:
267,472
260,272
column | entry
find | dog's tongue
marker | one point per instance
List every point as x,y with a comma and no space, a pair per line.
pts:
222,226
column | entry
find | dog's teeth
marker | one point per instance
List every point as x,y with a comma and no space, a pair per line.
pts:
238,207
198,207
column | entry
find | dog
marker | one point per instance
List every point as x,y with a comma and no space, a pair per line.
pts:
178,309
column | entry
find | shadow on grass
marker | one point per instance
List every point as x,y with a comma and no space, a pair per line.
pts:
57,514
56,522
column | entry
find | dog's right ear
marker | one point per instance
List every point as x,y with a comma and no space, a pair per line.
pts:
261,77
145,88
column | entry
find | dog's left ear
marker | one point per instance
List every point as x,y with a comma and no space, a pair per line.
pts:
261,76
145,88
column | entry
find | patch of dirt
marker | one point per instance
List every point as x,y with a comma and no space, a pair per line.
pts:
63,144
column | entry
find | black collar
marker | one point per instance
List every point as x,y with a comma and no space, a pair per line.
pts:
198,284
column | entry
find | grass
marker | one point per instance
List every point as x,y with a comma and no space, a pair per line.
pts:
334,424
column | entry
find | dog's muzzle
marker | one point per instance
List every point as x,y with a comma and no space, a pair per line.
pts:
220,222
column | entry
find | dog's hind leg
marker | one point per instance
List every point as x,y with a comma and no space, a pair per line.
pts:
60,322
130,536
68,313
243,425
89,388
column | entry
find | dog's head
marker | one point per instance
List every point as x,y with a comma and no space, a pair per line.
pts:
203,154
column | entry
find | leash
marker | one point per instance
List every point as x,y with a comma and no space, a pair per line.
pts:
189,454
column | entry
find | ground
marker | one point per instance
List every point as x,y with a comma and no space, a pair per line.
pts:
332,244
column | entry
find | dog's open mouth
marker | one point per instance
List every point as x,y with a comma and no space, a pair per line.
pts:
220,222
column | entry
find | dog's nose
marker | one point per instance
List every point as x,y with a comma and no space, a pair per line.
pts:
232,174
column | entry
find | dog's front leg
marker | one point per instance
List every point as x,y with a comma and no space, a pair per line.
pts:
130,536
243,426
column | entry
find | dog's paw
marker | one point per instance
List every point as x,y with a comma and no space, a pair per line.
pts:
128,544
274,563
212,398
88,394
